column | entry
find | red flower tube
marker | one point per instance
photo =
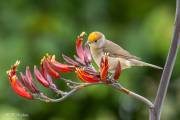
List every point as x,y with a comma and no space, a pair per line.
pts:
59,66
104,68
50,70
40,77
17,87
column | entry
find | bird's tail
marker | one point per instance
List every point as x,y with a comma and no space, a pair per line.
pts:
141,63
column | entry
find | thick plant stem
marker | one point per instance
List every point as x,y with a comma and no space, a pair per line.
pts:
151,114
155,113
119,87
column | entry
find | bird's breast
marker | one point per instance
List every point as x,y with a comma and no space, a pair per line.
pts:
97,54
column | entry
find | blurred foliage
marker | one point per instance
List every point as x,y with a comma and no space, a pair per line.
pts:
31,28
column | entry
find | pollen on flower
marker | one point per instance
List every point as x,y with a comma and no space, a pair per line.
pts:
42,60
82,34
13,69
53,58
14,78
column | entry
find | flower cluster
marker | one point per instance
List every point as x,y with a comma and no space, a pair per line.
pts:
50,68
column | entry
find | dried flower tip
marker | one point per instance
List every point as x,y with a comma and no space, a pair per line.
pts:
69,60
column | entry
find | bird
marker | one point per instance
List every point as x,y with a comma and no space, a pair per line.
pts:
100,46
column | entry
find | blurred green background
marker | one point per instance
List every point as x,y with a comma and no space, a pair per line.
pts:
31,28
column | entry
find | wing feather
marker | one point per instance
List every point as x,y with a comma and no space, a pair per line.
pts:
117,51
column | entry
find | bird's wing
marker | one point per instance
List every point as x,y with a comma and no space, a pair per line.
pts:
115,50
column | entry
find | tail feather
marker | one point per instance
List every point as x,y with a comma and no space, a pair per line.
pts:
141,63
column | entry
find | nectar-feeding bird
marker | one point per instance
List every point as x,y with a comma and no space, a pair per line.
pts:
100,46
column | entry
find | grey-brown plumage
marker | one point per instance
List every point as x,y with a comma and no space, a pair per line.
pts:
99,46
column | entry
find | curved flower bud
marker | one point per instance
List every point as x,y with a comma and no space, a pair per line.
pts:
33,88
43,70
79,49
40,77
86,77
117,71
87,54
19,88
29,76
104,68
50,70
59,66
16,84
25,82
44,73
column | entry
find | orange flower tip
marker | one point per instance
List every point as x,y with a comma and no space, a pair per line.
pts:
76,69
86,77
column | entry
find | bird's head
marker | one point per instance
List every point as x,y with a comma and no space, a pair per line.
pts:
96,39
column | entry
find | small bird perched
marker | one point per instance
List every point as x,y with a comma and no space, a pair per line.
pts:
100,46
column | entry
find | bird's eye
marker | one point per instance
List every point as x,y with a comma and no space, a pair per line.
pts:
95,41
